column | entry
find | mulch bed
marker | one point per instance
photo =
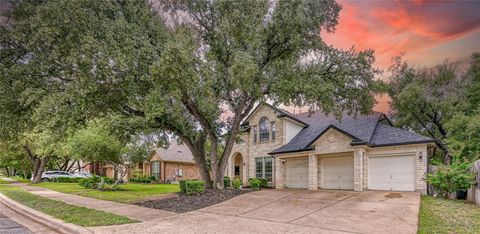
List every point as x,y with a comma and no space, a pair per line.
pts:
181,203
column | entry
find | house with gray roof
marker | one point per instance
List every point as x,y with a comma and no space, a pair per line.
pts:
319,151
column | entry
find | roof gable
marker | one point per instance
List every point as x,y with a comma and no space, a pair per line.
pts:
372,130
279,112
174,153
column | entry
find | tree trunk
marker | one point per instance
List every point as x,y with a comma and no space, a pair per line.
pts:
40,169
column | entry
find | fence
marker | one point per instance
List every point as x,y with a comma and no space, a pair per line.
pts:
474,191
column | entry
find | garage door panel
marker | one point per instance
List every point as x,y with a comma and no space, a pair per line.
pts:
297,173
395,173
337,173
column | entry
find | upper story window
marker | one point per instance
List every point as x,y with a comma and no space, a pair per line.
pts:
254,134
274,130
264,127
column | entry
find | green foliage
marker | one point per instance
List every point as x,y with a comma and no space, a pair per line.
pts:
464,138
451,178
90,182
67,179
226,182
95,144
183,188
117,58
141,180
263,183
194,187
255,184
236,183
152,178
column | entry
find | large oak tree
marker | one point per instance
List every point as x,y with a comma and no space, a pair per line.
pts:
193,68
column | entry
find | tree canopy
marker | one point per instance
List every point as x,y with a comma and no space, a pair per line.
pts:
73,61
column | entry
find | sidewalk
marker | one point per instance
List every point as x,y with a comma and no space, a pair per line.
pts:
131,211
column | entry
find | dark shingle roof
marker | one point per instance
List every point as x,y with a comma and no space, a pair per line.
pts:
363,129
385,135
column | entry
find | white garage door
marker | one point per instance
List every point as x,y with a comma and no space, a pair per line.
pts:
392,173
297,173
337,172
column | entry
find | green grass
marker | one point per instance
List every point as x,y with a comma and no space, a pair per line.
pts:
128,193
3,181
20,179
69,213
448,216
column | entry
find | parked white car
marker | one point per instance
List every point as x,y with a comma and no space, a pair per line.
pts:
82,174
49,175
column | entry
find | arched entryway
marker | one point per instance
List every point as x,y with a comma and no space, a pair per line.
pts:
238,166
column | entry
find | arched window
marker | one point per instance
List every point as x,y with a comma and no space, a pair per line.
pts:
264,129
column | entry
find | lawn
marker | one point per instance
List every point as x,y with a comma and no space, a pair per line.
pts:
128,193
448,216
69,213
3,181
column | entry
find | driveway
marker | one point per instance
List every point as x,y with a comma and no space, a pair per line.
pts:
293,211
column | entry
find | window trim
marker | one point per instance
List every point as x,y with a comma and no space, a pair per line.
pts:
264,133
264,172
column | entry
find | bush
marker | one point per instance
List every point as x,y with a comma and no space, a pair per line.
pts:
263,183
255,184
236,183
449,179
63,179
193,187
152,178
108,180
226,181
140,180
90,182
183,189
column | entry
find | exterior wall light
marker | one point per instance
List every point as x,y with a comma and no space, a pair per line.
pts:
420,156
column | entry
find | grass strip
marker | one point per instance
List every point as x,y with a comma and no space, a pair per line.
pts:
69,213
448,216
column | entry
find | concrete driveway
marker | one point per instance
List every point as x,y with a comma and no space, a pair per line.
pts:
294,211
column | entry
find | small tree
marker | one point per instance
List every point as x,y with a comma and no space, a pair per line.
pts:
451,178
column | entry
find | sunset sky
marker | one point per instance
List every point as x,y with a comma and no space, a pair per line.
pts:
428,32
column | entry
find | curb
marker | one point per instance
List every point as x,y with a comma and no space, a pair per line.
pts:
39,217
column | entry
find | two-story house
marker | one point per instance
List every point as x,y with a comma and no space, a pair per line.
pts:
318,151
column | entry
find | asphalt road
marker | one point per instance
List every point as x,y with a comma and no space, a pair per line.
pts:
8,226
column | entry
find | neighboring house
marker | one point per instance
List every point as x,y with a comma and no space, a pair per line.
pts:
318,151
167,165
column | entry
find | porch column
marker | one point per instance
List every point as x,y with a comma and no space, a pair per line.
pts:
279,173
358,169
312,172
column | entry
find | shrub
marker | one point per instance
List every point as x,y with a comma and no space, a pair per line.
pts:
140,180
449,179
263,183
152,178
226,181
255,184
108,180
182,186
236,183
193,187
63,179
90,182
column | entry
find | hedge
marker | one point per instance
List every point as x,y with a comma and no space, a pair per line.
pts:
193,187
140,180
64,179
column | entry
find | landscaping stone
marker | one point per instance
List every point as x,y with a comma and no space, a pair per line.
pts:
181,203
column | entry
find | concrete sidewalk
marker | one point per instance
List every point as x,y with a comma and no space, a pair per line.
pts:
131,211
